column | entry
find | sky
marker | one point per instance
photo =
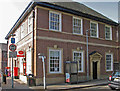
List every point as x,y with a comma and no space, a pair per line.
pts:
12,9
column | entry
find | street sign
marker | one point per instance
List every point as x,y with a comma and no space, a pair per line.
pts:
13,54
13,40
12,47
20,54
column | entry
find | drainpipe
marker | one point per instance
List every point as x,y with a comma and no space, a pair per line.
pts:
33,43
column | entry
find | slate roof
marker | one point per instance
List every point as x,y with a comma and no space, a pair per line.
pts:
69,7
81,8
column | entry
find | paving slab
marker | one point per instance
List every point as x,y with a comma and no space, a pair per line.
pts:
18,84
73,86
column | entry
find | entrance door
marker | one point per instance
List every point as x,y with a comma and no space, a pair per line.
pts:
94,70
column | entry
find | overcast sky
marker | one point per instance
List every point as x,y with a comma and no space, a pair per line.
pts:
12,9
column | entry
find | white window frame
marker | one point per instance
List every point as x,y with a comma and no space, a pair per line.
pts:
22,31
110,32
111,61
81,32
60,20
60,63
97,29
30,24
16,37
28,61
82,63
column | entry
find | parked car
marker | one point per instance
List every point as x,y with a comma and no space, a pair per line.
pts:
114,80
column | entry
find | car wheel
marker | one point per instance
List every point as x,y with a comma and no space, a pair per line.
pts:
112,88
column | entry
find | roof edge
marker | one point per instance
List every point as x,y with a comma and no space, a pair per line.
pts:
21,16
60,8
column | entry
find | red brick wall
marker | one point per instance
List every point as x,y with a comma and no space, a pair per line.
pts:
43,18
101,30
67,21
41,46
67,52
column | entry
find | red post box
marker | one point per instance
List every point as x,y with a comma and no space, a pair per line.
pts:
16,72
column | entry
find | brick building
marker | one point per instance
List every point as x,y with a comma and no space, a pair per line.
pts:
3,57
58,30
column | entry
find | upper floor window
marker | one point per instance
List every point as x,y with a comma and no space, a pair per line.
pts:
78,56
22,30
109,62
16,37
54,21
30,23
94,29
55,61
77,25
108,33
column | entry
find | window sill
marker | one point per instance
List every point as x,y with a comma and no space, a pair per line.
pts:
108,39
80,72
109,70
77,34
60,73
55,72
94,37
55,30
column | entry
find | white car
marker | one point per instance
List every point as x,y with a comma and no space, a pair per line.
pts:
114,80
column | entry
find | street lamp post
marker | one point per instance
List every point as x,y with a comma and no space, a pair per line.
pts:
87,55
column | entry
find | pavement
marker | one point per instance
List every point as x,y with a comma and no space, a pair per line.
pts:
20,85
17,84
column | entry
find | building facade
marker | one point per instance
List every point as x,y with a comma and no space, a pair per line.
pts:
3,57
58,30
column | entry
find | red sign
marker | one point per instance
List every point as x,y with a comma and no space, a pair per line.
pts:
21,52
20,56
12,47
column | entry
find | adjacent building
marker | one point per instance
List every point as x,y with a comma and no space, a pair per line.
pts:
58,30
3,57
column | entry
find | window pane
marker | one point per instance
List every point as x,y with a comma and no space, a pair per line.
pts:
109,62
54,21
93,31
78,57
107,33
77,26
54,61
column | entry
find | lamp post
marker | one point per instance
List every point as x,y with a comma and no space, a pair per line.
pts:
43,60
87,55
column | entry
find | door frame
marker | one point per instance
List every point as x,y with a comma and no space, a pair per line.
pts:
96,57
95,76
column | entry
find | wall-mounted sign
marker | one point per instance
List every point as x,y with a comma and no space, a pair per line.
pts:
20,54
